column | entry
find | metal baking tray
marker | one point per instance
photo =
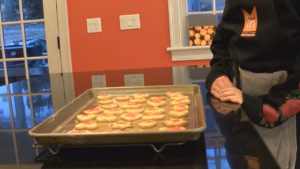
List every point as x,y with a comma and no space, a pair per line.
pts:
53,130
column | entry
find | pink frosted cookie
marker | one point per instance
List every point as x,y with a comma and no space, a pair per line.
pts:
131,116
135,110
88,125
181,107
178,113
131,106
156,103
175,123
121,125
106,101
122,98
141,95
180,97
85,117
153,116
105,96
138,100
171,128
78,132
106,118
180,101
114,111
147,124
158,98
92,111
173,94
154,110
110,106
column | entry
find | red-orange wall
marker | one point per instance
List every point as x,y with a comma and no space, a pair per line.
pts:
113,49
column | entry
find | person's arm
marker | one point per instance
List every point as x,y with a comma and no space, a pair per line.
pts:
219,49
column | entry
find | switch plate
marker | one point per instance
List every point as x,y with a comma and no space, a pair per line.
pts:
134,79
98,81
130,22
94,25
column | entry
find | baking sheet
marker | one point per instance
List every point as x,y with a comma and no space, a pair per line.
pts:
53,130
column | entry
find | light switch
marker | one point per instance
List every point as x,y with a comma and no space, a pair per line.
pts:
130,22
94,25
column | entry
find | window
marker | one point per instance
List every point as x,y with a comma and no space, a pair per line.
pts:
179,11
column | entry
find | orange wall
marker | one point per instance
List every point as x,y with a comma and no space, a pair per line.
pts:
113,49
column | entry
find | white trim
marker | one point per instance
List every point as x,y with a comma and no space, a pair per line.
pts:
63,25
190,53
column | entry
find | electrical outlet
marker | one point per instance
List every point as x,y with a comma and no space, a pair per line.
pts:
134,79
98,81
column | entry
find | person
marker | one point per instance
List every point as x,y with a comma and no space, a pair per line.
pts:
256,59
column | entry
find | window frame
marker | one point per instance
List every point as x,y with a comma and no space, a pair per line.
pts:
179,48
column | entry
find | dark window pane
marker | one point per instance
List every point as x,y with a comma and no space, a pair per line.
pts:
13,43
220,4
10,10
5,122
35,39
7,153
16,77
3,89
24,144
39,76
199,5
42,107
33,9
21,112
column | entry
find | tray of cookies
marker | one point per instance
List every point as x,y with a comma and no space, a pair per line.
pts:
126,115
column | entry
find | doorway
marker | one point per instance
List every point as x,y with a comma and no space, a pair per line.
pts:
31,79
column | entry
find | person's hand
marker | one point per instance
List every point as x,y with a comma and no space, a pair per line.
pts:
224,107
232,94
220,83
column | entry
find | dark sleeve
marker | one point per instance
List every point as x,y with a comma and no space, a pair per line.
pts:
219,49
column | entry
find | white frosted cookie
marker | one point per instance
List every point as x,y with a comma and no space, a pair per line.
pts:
114,111
181,107
87,125
180,101
121,125
106,101
92,111
173,94
122,98
180,97
154,110
147,124
156,103
106,118
171,128
153,116
137,100
104,97
131,105
131,116
178,113
175,123
135,110
158,98
85,117
141,95
110,106
78,132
